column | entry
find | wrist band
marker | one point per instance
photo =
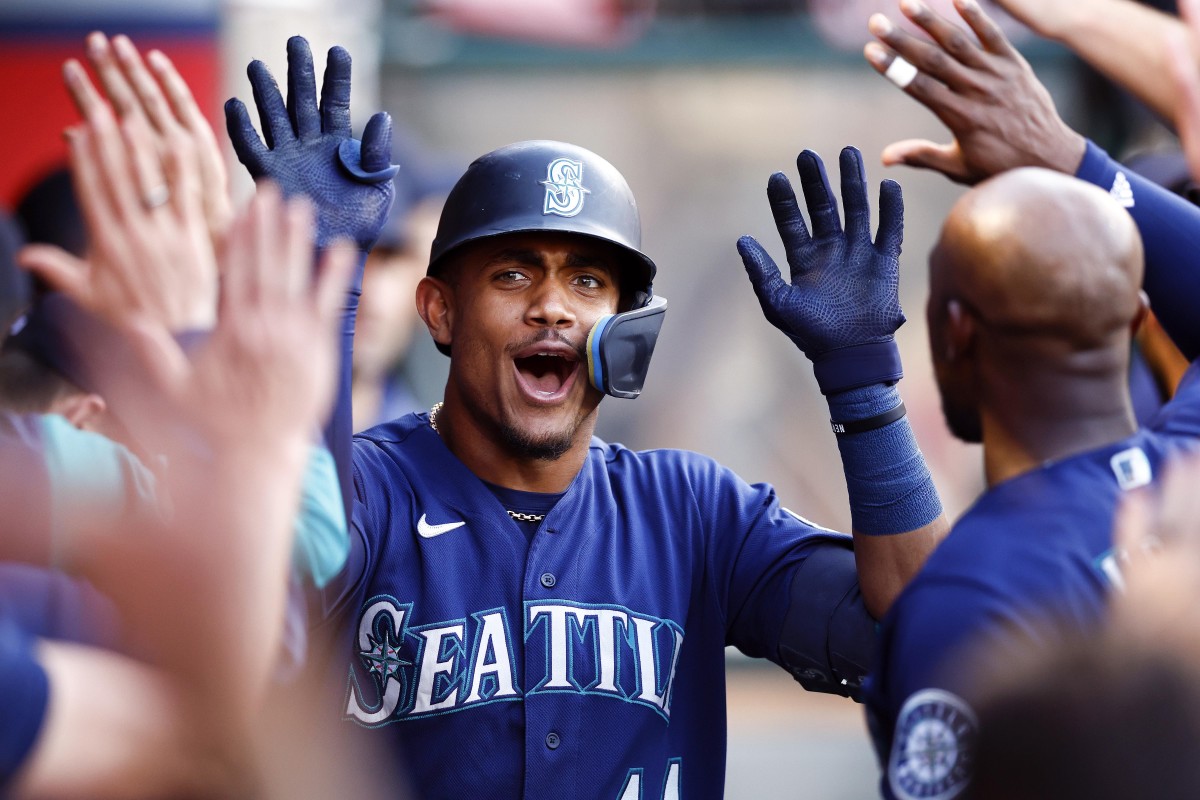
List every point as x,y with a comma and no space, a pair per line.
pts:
868,424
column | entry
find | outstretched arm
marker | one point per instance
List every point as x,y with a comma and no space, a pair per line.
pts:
152,188
842,308
1185,82
310,150
1002,117
999,113
235,419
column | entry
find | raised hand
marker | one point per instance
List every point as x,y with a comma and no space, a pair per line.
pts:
150,249
158,100
842,305
985,92
309,149
235,418
267,371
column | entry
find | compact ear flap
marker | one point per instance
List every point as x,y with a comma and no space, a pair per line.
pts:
619,347
436,310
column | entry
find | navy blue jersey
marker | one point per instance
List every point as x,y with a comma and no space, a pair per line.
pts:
1170,229
586,661
1037,545
48,604
24,693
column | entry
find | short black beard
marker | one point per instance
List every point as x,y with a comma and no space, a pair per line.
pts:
547,448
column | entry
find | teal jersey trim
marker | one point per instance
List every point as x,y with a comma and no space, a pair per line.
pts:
94,481
322,538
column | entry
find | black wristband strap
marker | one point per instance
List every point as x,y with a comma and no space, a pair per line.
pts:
868,424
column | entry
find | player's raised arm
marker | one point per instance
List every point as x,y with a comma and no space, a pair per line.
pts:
151,94
150,250
999,113
1185,82
1002,117
841,307
309,149
235,419
140,168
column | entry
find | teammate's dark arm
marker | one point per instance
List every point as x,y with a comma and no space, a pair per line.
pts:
1002,117
842,308
309,149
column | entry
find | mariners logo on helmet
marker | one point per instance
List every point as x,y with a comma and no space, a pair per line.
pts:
564,187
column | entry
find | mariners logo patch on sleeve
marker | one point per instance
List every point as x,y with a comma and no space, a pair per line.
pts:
931,754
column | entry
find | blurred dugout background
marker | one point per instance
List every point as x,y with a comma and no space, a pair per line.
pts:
696,102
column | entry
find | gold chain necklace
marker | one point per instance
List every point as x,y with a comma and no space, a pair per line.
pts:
519,516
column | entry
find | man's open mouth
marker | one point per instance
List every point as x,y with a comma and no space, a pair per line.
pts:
547,371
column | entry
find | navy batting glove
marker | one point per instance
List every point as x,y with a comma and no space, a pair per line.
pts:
311,150
842,307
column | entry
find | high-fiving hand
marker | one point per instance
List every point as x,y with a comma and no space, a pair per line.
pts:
842,305
984,91
309,149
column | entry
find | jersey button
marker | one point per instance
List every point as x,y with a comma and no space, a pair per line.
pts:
553,740
548,580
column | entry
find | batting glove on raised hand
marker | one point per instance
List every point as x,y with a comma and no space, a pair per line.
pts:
842,307
311,150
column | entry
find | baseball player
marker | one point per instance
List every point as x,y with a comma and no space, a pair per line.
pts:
1126,721
531,611
1030,323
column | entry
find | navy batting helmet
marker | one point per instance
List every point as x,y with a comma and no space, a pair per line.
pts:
543,185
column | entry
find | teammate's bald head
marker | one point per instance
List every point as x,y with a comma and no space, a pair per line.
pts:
1048,270
1041,252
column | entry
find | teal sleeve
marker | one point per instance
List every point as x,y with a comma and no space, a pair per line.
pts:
322,539
94,481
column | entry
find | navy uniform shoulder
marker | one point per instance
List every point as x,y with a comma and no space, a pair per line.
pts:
393,431
386,452
681,479
618,457
1052,520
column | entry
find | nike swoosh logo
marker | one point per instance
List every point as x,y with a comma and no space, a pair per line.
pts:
427,530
